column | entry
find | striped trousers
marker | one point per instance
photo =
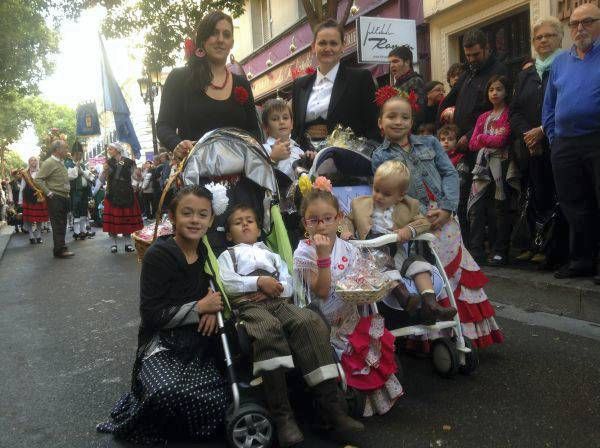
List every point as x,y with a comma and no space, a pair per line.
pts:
282,333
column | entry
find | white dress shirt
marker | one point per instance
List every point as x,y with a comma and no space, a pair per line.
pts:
249,258
382,220
318,101
286,165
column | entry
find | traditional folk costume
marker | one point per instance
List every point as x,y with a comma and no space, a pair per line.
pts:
366,347
277,328
81,192
177,389
35,210
122,214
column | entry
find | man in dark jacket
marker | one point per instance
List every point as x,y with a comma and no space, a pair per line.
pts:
406,79
469,98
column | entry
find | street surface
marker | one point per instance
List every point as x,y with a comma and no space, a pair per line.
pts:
69,327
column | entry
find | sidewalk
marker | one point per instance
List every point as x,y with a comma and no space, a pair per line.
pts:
5,234
578,298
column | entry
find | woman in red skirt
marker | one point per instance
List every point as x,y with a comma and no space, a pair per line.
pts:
35,212
122,214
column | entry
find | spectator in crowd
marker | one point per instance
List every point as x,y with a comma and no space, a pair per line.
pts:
493,177
571,120
434,92
469,96
526,125
53,179
148,190
454,73
406,79
15,188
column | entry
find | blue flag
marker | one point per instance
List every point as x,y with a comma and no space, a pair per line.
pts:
87,119
115,102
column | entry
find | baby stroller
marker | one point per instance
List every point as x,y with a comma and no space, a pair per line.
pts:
236,159
350,172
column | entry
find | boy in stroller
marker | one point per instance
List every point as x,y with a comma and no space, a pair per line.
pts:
258,282
389,210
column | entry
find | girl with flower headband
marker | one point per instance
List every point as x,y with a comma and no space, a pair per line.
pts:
204,95
434,183
177,389
320,262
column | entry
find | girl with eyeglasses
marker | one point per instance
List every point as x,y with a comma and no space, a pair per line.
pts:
320,262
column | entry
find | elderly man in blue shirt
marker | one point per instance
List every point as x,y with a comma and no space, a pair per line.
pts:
571,120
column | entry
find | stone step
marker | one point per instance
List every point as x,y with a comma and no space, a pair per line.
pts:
578,298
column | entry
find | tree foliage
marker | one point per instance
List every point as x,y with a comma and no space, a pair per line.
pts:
46,116
12,160
165,24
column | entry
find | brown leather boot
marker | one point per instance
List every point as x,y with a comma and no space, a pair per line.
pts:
409,302
275,388
328,399
432,311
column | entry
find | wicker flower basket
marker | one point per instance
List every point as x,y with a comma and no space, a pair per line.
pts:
141,245
364,296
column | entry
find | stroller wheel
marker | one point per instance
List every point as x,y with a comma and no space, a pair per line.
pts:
250,427
471,359
445,357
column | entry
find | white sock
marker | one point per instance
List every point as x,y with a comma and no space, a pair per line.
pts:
83,222
76,226
127,239
37,231
31,233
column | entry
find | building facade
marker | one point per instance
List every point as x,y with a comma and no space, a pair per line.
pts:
273,40
507,24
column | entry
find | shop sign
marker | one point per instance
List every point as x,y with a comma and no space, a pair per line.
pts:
378,36
566,7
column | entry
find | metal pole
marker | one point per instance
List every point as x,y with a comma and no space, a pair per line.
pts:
152,122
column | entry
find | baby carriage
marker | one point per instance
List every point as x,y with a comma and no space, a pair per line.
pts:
350,172
232,157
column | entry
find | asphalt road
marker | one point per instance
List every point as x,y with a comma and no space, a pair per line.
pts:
68,330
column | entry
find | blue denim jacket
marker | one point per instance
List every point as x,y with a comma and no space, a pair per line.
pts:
428,164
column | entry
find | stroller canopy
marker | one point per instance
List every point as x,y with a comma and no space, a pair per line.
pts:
235,158
229,152
334,160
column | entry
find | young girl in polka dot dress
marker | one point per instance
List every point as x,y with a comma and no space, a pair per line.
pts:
177,390
366,347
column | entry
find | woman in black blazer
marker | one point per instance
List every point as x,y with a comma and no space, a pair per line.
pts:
334,94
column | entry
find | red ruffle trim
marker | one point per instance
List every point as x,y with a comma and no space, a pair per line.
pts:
360,340
495,337
453,266
470,312
473,279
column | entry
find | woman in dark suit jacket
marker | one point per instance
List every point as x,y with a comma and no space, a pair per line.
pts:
334,94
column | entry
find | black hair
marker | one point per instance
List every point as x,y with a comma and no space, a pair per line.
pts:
475,37
200,74
273,105
448,129
403,52
196,190
455,69
237,208
329,23
428,128
432,85
502,80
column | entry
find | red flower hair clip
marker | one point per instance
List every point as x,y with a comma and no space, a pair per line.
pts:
384,93
240,95
189,47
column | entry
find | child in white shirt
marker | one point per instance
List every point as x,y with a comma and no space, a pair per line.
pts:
258,282
284,152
